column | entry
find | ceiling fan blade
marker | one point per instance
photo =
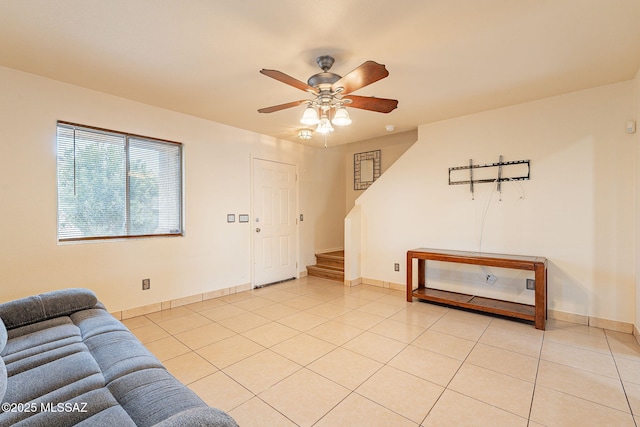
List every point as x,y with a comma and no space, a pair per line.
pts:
365,74
381,105
281,106
284,78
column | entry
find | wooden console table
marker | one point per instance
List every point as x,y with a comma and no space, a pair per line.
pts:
536,313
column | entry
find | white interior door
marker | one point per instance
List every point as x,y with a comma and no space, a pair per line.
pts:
274,222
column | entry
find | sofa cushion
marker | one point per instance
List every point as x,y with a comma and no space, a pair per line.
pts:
3,379
96,407
54,376
38,344
95,322
119,354
34,328
114,416
155,387
3,368
32,339
3,335
46,306
198,417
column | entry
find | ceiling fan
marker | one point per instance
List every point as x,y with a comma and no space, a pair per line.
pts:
332,93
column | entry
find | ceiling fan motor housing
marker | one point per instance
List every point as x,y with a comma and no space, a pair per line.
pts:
325,62
324,80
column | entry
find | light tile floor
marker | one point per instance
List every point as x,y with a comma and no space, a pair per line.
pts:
311,352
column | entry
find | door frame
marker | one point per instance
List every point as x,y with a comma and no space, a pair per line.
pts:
252,217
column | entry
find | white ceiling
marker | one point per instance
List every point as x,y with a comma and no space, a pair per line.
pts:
446,58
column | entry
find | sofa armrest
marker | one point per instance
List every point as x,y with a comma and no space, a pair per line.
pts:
195,417
45,306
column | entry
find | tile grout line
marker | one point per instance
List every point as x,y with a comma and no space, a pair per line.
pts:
535,382
331,298
615,362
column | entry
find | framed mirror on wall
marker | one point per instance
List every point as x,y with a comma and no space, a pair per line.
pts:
366,169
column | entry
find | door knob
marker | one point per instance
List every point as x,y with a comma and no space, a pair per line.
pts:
257,230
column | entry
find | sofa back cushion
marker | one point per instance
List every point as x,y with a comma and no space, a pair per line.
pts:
3,335
3,368
3,379
45,306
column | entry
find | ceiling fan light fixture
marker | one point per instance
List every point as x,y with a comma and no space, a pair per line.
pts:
327,89
324,127
310,116
341,117
305,133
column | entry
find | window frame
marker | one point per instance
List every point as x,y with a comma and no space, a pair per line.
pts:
127,136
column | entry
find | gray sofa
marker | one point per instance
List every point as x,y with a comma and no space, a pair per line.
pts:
64,360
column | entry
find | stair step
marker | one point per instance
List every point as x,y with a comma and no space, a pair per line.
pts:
339,264
331,259
329,265
326,272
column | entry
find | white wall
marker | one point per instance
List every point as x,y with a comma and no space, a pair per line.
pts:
636,117
212,255
577,210
328,219
391,147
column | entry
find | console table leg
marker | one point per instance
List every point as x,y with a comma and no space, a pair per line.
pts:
422,273
409,277
541,296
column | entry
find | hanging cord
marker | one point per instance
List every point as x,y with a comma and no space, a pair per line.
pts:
523,193
485,211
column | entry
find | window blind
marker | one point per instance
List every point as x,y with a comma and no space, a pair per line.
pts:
116,185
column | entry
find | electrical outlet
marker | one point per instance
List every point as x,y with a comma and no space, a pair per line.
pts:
490,279
396,267
146,284
531,284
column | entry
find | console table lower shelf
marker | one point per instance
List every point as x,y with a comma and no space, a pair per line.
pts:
488,305
536,313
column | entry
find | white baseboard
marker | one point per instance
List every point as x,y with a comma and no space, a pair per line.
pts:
596,322
612,325
568,317
383,284
166,305
355,282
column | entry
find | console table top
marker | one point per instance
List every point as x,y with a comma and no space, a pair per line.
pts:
446,253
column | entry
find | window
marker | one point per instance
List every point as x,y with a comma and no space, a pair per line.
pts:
116,185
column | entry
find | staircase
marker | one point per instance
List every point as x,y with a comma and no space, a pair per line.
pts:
329,265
